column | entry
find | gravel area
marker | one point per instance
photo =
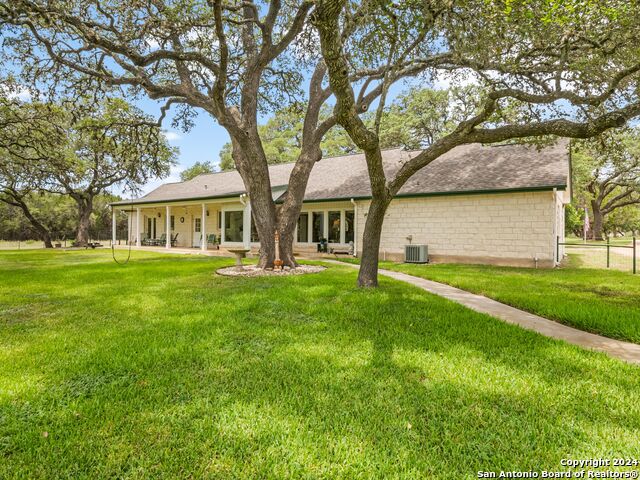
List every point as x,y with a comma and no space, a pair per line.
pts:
253,271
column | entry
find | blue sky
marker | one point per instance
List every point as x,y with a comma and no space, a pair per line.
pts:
204,141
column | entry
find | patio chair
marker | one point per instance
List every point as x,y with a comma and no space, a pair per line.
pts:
211,238
160,242
145,240
174,240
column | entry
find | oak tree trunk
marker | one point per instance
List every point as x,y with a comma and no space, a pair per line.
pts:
41,230
85,208
597,228
266,217
368,274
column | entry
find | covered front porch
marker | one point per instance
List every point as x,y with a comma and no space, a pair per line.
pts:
189,224
215,225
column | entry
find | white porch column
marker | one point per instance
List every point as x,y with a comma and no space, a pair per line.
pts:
138,227
203,229
222,226
343,225
246,225
325,226
168,226
113,226
355,227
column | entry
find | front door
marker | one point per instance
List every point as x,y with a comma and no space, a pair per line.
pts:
197,232
151,227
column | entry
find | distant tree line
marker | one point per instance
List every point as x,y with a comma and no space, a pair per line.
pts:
59,215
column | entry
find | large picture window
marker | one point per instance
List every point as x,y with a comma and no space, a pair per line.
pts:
334,227
233,226
348,226
318,226
303,228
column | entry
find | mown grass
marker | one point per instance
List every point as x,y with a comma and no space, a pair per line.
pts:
162,369
596,300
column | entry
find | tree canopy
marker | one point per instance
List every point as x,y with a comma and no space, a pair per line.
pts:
282,138
78,151
196,169
537,69
606,172
541,68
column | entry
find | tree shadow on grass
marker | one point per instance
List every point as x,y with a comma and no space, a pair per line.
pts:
309,376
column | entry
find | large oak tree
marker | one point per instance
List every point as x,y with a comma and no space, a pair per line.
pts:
607,174
78,149
232,59
541,69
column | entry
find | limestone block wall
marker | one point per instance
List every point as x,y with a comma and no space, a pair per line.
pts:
503,228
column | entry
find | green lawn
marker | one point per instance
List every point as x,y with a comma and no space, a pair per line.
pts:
161,369
597,300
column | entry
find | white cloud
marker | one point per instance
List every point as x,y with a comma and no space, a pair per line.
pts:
153,44
174,176
172,136
443,80
13,92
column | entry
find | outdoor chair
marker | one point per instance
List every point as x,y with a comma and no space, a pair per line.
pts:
174,240
159,242
213,240
323,245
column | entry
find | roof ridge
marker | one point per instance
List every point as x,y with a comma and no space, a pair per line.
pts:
352,154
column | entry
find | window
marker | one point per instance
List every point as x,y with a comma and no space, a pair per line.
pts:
334,227
348,226
318,226
233,226
198,225
303,228
173,223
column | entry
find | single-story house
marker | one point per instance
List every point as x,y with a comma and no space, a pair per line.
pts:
500,205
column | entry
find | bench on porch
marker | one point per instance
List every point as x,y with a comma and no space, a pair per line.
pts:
342,250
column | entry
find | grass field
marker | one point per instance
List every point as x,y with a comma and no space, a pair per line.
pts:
161,369
597,300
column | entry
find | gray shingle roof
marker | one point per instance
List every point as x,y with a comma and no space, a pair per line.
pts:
467,168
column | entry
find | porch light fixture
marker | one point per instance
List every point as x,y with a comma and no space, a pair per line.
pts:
159,214
181,219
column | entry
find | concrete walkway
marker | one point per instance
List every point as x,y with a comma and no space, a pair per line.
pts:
629,352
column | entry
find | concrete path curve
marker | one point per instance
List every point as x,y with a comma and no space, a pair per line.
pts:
629,352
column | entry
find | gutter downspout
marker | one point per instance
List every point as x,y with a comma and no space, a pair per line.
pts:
246,221
355,227
554,237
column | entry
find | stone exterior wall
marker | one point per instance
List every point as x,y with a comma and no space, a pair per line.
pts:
501,229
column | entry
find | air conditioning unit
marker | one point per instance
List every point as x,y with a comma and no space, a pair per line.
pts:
416,254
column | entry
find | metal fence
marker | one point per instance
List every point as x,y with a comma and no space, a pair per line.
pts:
607,245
